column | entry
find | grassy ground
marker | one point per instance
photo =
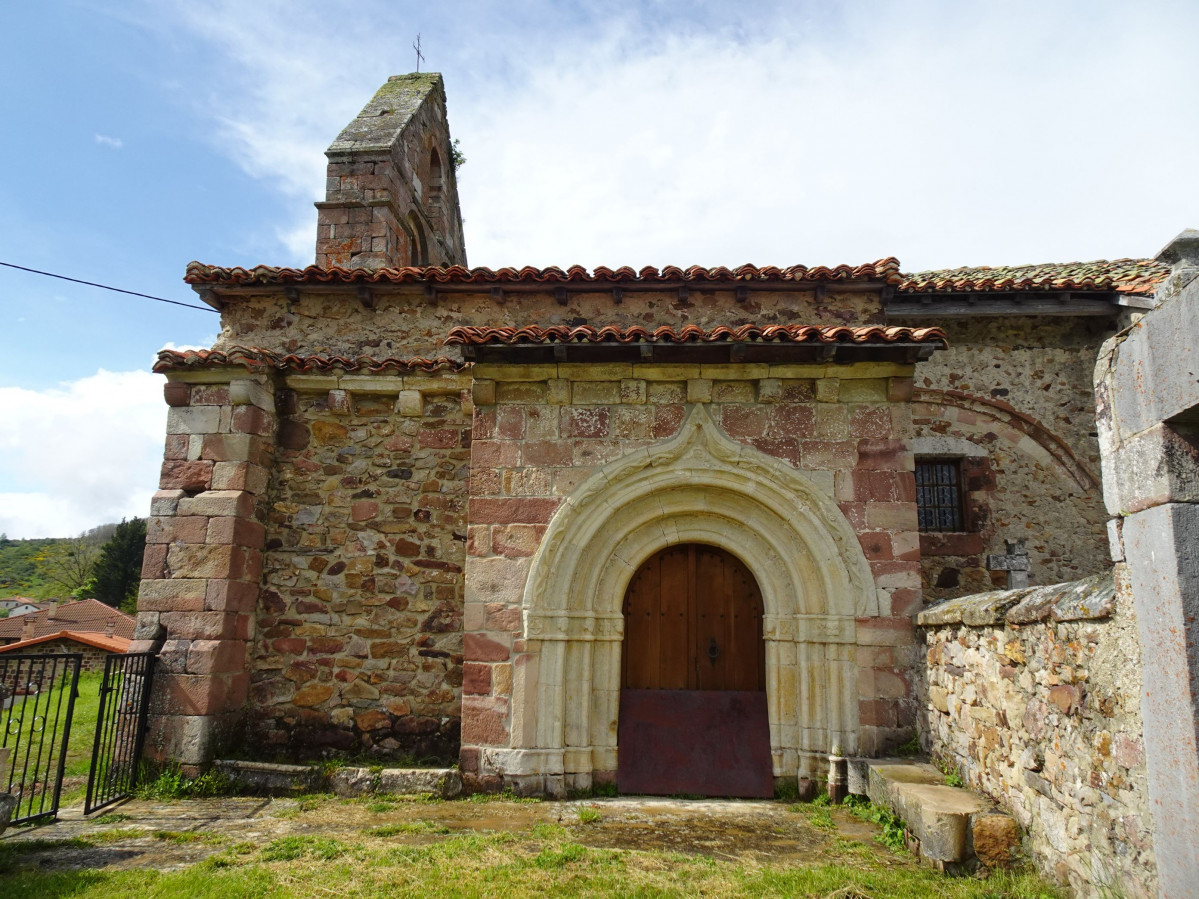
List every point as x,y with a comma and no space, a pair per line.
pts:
414,855
79,743
83,721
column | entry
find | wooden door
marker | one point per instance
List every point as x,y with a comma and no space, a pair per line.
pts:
693,621
693,713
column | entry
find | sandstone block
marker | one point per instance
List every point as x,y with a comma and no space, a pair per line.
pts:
996,840
252,420
177,529
482,648
193,420
476,679
827,390
632,390
484,721
744,420
513,510
239,531
218,503
312,694
216,656
595,393
699,390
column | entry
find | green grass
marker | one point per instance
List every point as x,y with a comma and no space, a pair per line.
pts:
170,783
588,814
418,826
83,720
893,834
543,862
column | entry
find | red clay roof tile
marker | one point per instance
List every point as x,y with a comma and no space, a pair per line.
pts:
886,270
1139,276
88,615
254,358
99,641
474,336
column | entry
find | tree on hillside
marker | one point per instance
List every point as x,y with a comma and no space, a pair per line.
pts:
68,564
118,570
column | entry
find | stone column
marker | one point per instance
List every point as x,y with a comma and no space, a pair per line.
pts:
203,560
1147,398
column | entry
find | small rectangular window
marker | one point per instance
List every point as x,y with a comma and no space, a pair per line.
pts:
939,495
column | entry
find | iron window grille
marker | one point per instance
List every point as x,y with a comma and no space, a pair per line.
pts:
939,495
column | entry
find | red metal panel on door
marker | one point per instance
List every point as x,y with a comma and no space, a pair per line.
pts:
698,742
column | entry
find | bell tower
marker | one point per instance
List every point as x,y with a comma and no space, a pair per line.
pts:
391,193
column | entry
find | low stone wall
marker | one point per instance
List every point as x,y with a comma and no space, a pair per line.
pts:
1034,698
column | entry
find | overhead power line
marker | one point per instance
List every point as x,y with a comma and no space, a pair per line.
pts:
132,293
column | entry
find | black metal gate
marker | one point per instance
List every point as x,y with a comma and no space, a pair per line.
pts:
37,699
120,729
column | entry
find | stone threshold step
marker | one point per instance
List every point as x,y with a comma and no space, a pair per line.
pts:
279,779
954,827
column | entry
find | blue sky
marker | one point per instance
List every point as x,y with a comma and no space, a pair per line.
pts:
140,135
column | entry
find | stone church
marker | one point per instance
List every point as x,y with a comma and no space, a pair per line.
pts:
667,528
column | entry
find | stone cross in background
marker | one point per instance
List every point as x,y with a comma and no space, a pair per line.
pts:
1014,562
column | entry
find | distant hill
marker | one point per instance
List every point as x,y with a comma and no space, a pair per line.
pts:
18,569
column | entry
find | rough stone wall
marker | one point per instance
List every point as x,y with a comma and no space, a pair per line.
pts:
541,430
1034,700
406,322
1039,369
359,643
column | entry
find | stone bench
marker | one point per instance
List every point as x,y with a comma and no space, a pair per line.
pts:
954,827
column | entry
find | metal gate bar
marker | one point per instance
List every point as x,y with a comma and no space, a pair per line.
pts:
120,729
37,700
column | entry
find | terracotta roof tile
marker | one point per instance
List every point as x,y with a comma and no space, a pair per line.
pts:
254,358
88,615
99,641
532,334
1139,276
886,270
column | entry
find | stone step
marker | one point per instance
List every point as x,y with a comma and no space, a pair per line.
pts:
954,827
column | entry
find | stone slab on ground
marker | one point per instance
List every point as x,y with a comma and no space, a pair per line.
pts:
290,780
947,821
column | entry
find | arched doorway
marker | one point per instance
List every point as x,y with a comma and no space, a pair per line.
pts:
693,710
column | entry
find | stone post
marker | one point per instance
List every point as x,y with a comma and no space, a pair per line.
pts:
1147,399
203,560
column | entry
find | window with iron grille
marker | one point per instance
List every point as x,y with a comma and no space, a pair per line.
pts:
939,495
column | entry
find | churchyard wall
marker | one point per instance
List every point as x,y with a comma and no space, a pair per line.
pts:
1034,700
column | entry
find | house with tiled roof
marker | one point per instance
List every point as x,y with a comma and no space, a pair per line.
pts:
667,528
94,648
88,616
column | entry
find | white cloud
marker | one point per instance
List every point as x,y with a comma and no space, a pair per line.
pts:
104,140
79,454
943,133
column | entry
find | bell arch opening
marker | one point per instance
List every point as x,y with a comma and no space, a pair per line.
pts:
698,487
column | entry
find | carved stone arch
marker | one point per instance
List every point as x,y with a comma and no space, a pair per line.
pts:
420,245
699,487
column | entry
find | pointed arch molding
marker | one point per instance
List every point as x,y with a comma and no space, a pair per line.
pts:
698,487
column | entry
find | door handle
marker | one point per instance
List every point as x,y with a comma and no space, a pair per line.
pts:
713,651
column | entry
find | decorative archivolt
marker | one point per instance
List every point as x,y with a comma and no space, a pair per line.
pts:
698,487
